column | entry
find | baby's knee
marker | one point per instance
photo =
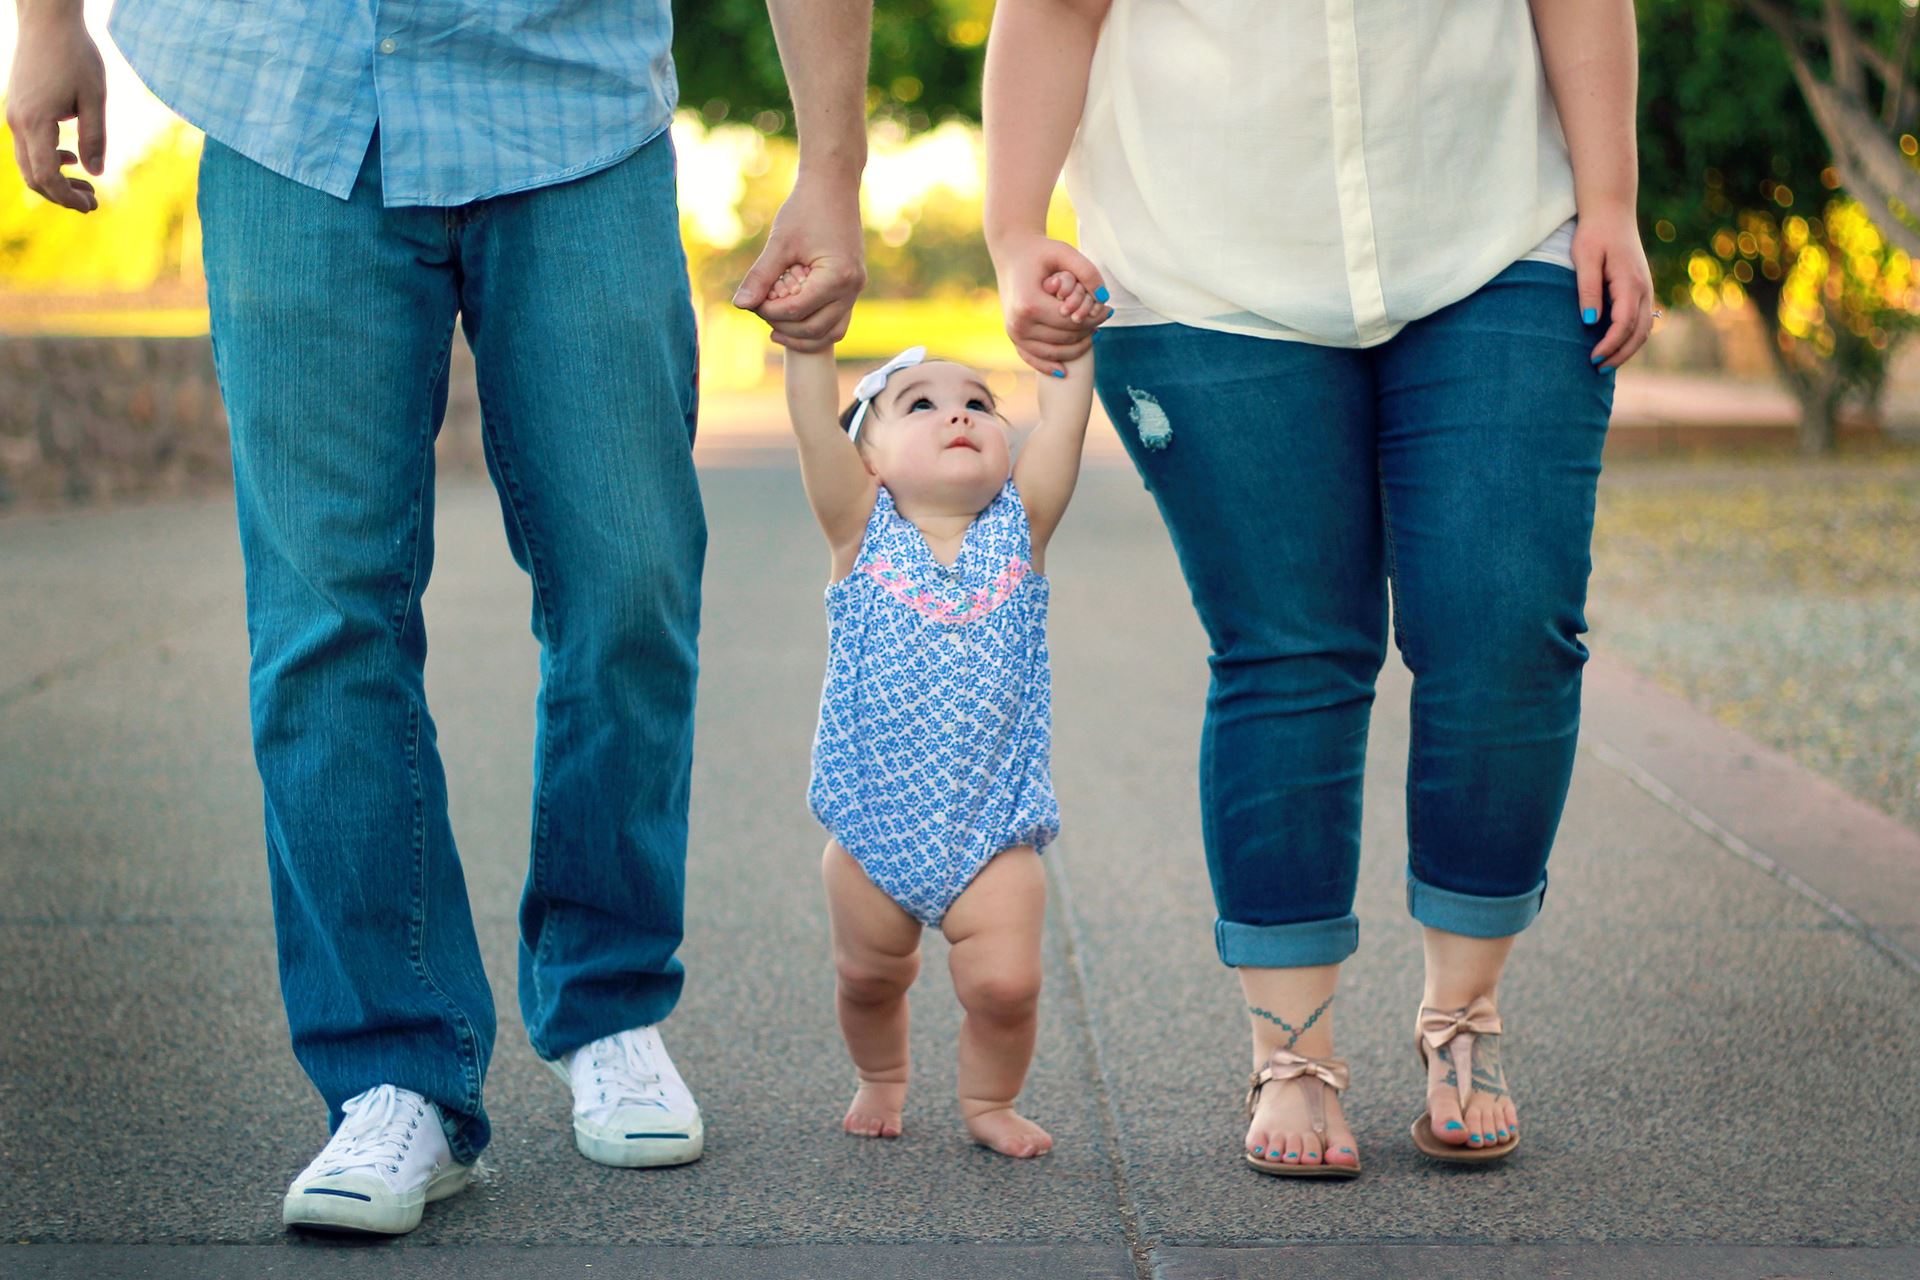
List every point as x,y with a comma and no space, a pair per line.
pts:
873,980
1002,994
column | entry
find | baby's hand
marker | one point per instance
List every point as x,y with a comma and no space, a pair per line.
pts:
1078,305
791,281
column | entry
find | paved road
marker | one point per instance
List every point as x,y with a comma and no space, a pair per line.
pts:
1717,1069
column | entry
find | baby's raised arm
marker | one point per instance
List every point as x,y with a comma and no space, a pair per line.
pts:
1049,464
839,487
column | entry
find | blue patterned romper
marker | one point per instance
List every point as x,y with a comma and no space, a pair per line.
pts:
936,718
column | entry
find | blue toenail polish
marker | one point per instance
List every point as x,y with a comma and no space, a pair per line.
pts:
1059,373
1101,294
1589,315
1258,1150
1455,1124
1346,1151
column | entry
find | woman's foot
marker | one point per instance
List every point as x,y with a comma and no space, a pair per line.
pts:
1008,1132
875,1109
1481,1115
1282,1129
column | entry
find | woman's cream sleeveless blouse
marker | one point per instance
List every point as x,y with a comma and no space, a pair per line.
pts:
1320,170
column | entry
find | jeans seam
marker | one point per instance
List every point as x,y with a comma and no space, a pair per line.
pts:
537,859
469,1040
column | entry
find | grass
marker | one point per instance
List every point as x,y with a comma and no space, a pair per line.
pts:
1783,596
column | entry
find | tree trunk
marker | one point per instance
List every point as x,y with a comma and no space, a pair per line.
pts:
1819,433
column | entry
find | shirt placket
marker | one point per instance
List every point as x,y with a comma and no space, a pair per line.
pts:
1350,176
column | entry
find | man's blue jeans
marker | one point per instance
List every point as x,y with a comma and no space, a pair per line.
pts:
1455,466
331,326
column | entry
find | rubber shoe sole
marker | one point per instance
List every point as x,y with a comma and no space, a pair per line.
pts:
622,1150
364,1206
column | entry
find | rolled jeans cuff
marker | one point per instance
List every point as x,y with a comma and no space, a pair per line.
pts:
1286,946
1471,914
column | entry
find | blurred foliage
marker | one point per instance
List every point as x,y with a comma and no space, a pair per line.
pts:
926,62
1739,202
132,242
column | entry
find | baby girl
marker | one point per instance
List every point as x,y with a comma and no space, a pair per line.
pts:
930,765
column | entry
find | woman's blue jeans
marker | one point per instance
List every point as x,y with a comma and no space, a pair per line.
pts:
331,326
1452,467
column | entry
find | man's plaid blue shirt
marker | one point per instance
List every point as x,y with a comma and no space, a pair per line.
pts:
473,98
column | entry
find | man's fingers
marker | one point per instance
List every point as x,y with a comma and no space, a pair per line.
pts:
41,163
93,128
759,281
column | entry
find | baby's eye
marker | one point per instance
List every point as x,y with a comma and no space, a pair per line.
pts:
921,403
981,405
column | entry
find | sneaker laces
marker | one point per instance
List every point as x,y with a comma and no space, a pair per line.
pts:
625,1072
375,1133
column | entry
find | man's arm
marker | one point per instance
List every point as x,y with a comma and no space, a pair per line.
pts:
823,51
57,75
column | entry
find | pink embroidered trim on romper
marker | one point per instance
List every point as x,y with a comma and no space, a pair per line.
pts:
922,601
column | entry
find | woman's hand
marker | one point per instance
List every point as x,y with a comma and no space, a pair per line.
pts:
1044,295
1611,267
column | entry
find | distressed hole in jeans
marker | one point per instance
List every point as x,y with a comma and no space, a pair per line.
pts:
1150,420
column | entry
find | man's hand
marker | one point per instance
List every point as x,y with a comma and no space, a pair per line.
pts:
817,232
57,75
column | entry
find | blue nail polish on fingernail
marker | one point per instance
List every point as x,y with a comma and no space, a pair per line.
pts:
1059,373
1589,315
1101,294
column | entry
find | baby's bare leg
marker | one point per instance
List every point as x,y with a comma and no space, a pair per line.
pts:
994,927
876,955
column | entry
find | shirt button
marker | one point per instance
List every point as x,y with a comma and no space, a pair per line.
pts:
388,46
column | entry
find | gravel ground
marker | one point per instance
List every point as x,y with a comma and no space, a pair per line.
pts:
1783,596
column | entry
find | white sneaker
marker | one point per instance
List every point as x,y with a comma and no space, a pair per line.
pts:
388,1158
631,1109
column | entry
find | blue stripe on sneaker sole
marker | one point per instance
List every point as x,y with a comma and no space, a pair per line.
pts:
329,1191
671,1137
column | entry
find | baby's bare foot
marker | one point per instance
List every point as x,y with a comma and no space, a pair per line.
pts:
875,1109
1010,1133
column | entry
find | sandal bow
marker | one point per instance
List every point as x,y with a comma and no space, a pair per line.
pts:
1439,1028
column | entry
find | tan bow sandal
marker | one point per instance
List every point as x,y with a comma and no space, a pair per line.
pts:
1456,1031
1316,1075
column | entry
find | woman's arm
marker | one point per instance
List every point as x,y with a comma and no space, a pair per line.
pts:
1591,54
1034,89
839,487
1049,464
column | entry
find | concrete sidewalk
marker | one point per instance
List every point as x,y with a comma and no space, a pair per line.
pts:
1713,1024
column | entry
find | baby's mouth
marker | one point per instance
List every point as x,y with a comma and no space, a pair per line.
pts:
964,443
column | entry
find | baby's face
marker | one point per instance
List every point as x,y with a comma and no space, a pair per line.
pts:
933,434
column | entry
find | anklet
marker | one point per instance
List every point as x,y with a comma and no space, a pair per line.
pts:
1284,1025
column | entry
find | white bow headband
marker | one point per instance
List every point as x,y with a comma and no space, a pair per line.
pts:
871,385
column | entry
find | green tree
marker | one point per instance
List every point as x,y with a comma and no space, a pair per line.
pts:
927,57
1740,197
